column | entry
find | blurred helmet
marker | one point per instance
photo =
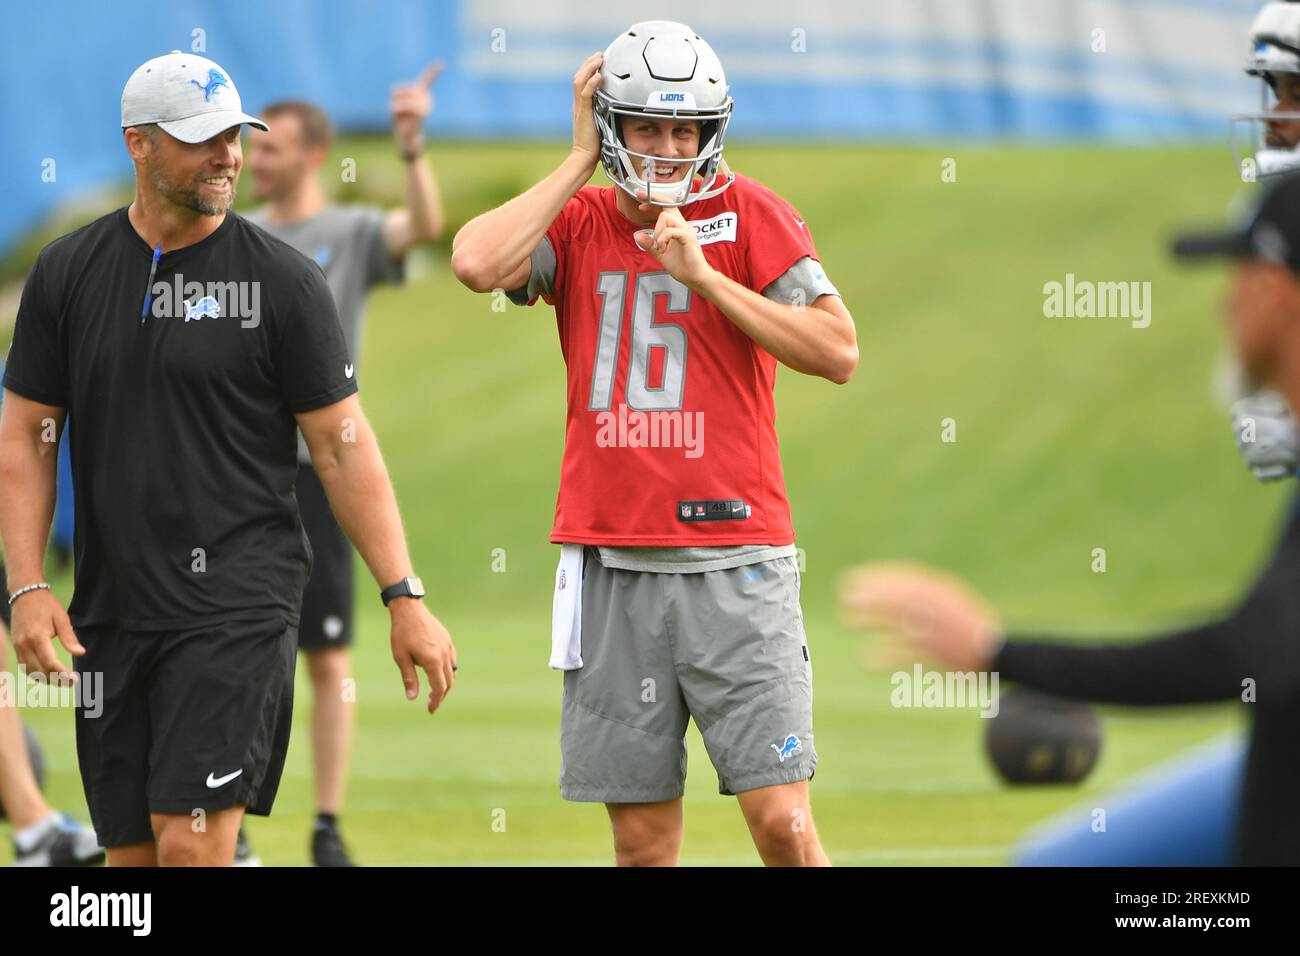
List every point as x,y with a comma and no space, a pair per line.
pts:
1274,50
663,70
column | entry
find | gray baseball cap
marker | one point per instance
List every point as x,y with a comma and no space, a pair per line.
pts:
189,96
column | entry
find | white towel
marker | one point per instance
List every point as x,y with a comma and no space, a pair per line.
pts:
566,611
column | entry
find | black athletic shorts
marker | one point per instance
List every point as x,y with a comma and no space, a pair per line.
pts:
327,603
179,721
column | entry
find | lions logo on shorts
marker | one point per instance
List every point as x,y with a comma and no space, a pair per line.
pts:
791,747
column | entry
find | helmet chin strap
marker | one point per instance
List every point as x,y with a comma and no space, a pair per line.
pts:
671,193
678,192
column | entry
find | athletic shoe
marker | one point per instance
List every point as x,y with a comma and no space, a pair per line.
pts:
327,848
65,843
243,852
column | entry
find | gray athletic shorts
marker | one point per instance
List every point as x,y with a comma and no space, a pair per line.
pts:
726,648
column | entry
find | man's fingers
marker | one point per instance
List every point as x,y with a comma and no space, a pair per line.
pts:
672,216
886,652
438,685
430,74
886,600
680,234
68,637
26,658
670,219
415,102
582,73
410,678
591,65
48,665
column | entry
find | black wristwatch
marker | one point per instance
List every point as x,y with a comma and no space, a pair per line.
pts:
407,587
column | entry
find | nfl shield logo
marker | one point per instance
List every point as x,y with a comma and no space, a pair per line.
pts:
686,511
563,581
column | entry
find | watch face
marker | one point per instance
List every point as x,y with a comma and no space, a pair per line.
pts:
416,586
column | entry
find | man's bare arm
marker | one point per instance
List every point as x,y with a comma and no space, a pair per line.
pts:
492,251
346,457
421,218
819,339
29,453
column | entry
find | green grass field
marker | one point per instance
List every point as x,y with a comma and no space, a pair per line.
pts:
1072,434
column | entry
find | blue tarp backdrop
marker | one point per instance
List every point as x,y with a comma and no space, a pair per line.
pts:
1115,70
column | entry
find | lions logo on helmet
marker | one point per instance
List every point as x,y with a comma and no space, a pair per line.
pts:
663,70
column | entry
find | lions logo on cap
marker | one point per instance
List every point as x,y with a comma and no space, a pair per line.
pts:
216,80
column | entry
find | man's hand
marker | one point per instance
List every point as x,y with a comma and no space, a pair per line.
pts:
411,104
420,640
586,141
38,617
674,244
936,614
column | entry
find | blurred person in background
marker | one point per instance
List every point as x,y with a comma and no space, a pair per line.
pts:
357,247
1250,655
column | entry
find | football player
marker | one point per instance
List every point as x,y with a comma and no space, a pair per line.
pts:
677,292
1274,58
1248,654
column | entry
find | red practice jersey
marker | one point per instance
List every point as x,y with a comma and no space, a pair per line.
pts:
671,432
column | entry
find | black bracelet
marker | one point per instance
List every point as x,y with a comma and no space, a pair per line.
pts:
414,154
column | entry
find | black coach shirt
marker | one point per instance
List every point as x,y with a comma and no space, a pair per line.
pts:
1257,646
182,429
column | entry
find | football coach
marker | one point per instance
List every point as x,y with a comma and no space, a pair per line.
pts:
183,345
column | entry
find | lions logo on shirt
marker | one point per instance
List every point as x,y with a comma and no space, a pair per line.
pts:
206,306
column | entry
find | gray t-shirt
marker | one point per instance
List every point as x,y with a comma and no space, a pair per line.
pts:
804,282
347,242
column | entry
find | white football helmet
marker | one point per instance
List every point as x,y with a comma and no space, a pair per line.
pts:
663,70
1274,49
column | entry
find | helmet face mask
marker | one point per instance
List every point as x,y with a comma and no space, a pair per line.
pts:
1253,144
662,70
